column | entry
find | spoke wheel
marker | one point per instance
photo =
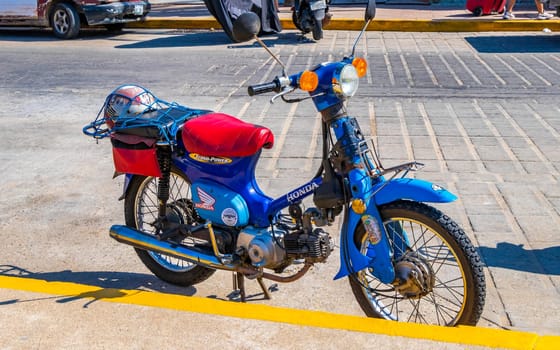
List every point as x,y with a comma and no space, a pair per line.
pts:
141,212
439,273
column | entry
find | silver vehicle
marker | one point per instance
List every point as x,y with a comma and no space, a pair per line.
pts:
66,17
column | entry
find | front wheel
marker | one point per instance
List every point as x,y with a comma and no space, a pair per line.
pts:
141,212
439,273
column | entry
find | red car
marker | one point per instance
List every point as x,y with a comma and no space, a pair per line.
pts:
66,17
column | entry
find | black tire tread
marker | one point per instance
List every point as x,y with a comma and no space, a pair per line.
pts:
317,30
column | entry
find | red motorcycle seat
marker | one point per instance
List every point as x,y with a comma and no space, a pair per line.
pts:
221,135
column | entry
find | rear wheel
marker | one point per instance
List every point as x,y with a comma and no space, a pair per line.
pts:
296,21
141,212
318,26
318,30
439,273
65,21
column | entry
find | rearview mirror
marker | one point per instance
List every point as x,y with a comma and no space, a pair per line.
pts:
246,27
370,10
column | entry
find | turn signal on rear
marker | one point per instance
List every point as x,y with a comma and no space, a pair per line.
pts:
308,80
361,66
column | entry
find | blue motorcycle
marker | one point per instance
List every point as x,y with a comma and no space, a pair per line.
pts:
192,204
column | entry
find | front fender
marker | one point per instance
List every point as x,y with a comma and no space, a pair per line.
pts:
411,189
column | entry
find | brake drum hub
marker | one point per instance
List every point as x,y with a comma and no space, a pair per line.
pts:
414,276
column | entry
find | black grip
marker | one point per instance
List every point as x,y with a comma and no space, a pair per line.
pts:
263,88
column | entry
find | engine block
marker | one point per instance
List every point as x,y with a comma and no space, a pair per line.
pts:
314,247
261,246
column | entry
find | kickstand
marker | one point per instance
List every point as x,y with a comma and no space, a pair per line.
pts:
239,286
264,289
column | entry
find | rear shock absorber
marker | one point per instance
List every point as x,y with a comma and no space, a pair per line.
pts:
164,160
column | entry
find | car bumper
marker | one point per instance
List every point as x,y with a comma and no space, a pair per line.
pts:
117,12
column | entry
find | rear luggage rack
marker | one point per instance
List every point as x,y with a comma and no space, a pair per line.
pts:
160,120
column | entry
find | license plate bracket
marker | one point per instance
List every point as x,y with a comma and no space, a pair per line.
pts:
317,5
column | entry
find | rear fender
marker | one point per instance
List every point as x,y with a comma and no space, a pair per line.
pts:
127,179
319,15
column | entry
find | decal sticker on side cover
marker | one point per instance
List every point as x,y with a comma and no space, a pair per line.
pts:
209,159
229,217
206,200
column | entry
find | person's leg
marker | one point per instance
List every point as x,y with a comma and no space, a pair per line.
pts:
540,9
508,12
539,5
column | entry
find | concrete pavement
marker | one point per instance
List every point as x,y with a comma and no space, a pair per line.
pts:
498,153
404,18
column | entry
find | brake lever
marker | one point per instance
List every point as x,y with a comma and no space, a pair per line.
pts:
295,100
284,91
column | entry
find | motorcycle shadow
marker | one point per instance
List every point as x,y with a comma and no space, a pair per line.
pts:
191,38
544,261
110,283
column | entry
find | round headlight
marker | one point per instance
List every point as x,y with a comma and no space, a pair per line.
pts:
348,80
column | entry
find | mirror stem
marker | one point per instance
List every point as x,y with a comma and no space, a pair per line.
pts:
271,54
359,36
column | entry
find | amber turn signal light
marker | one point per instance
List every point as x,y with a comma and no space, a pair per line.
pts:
361,66
308,81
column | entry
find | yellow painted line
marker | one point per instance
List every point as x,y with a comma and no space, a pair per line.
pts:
401,25
461,335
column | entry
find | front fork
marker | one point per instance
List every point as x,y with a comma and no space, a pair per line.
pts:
363,211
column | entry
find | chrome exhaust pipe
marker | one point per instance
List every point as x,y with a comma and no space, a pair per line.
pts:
141,240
